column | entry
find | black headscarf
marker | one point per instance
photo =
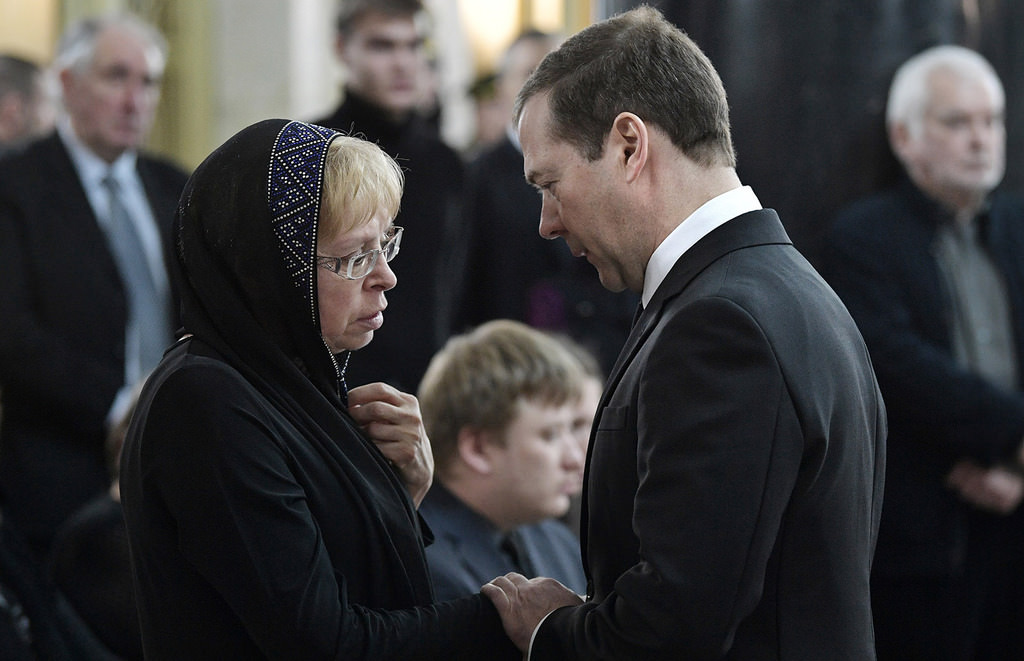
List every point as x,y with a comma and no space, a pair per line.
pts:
246,243
246,246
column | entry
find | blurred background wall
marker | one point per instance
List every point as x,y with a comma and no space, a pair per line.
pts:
807,80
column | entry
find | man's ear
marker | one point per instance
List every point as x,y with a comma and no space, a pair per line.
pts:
11,111
339,46
900,140
629,140
474,449
66,80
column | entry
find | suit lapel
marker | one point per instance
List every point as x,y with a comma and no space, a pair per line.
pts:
761,227
70,211
64,184
750,229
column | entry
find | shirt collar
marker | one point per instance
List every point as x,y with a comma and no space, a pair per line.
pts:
91,168
710,215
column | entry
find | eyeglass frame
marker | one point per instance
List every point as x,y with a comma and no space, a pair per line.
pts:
334,264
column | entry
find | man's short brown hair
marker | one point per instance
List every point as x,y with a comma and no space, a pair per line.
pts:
351,11
634,62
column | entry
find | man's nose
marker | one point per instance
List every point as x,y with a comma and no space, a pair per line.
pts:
550,222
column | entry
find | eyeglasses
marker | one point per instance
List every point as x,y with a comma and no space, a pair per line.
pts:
359,266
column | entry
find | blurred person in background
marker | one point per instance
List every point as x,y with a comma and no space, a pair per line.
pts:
381,45
499,404
89,562
85,293
585,408
548,289
26,110
932,271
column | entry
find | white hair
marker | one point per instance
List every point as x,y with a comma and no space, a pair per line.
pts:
77,45
910,91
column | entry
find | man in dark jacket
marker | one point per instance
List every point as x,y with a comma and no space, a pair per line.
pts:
932,273
85,295
734,473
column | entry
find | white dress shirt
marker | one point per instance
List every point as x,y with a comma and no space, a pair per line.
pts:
710,215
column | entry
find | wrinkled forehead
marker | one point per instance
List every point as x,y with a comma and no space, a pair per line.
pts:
121,45
946,83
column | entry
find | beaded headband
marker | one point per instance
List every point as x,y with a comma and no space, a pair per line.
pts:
295,184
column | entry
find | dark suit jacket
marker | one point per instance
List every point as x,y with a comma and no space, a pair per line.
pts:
734,479
252,538
880,259
62,337
507,256
466,554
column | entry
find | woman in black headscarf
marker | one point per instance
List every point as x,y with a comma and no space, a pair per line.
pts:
270,513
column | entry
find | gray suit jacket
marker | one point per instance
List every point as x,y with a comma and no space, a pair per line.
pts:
734,479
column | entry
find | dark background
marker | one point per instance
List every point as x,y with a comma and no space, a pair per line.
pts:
807,83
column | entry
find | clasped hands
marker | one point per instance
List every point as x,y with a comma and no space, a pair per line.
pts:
392,420
995,489
522,603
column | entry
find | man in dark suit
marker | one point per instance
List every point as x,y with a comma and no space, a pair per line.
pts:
734,477
85,295
380,45
932,271
499,406
25,108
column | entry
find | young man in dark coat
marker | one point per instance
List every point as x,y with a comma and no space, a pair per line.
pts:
381,45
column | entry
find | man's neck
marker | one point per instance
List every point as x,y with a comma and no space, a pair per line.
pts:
963,206
390,115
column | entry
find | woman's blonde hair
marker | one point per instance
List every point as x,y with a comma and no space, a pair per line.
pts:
360,179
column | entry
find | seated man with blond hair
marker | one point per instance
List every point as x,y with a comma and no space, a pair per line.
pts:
499,404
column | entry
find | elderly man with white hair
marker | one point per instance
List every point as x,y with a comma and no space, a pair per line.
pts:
932,272
85,296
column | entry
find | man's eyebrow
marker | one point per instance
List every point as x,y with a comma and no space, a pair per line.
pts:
531,177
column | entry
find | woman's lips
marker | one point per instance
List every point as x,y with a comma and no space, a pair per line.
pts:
374,321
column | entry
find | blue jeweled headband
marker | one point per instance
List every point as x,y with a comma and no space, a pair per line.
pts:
295,183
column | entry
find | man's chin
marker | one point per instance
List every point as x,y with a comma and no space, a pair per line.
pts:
398,105
612,283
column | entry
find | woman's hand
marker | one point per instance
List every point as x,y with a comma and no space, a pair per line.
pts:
392,420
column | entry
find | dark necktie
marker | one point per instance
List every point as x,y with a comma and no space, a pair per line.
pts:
147,334
637,314
513,548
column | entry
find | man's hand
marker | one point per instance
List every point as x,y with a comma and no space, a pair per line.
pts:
392,420
523,603
995,489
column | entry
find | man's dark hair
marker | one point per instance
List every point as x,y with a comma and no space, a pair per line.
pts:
19,76
351,11
635,62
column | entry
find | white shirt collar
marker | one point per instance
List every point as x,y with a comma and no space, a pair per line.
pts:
715,212
91,168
